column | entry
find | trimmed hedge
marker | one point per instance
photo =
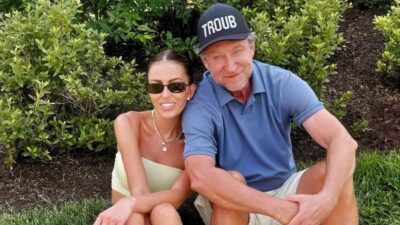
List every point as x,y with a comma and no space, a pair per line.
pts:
389,26
58,90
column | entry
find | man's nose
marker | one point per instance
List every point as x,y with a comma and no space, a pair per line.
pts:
230,65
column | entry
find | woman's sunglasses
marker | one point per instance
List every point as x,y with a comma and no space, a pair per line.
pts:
157,88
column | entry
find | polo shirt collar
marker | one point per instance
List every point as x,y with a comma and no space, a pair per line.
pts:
224,96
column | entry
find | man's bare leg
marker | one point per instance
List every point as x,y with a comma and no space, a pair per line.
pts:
345,211
222,215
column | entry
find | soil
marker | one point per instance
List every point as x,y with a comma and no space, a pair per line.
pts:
75,176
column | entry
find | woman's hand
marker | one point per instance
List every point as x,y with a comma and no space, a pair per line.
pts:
117,214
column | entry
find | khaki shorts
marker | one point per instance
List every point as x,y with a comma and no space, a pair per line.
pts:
289,187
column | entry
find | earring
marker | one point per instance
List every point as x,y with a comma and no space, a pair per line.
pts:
188,98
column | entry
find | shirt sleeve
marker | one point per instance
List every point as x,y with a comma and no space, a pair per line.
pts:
299,100
200,129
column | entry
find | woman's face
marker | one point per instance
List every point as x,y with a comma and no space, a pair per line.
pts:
167,103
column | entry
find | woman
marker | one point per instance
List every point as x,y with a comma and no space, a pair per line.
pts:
148,181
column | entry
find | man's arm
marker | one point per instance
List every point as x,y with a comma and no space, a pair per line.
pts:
221,188
328,132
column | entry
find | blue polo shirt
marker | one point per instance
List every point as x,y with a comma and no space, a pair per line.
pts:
252,138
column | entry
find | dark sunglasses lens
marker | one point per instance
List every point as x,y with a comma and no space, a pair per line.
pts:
155,88
177,87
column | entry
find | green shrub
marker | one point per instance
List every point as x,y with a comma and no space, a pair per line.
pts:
373,4
299,36
389,26
10,5
58,89
145,26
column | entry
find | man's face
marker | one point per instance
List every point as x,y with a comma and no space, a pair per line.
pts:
230,62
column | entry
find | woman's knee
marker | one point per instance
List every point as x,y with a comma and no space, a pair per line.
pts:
136,219
164,209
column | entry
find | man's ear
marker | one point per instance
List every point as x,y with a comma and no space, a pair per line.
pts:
253,47
203,59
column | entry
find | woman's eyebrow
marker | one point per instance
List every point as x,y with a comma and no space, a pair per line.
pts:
169,81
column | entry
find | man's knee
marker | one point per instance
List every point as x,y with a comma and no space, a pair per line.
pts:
313,179
221,215
347,193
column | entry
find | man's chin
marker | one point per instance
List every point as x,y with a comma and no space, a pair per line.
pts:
236,87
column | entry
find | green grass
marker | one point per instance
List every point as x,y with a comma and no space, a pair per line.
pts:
377,180
76,213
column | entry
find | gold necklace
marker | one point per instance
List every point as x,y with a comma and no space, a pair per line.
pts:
163,141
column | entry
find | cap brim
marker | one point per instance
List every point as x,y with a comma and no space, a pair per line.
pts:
240,36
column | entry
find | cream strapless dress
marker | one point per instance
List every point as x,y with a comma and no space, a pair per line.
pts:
159,177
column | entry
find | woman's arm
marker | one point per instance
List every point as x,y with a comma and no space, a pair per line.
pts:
120,212
178,193
127,131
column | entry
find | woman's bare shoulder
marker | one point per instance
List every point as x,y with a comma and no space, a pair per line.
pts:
132,119
131,116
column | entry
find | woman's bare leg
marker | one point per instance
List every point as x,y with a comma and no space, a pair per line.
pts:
136,218
165,213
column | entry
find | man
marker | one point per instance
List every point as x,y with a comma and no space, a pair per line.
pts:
238,152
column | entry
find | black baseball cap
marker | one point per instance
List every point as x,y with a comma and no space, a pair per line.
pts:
220,22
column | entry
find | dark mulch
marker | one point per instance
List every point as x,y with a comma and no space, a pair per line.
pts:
65,178
77,176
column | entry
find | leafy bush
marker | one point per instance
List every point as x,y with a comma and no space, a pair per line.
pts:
143,26
58,89
10,5
373,4
299,36
389,25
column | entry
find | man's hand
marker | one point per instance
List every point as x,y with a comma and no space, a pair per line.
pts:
118,214
313,209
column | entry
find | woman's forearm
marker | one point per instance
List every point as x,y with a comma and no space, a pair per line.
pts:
146,202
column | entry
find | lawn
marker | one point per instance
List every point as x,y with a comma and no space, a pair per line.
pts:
377,180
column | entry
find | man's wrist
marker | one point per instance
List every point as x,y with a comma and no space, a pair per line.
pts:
285,211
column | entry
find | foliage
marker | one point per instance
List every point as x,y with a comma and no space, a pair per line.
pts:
378,188
373,4
144,25
10,5
339,106
299,36
389,25
58,89
359,127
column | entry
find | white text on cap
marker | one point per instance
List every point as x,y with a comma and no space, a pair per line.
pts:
213,26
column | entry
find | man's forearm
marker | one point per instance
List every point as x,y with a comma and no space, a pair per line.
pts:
340,165
221,188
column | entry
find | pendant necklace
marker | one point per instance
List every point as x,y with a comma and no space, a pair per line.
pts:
164,142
